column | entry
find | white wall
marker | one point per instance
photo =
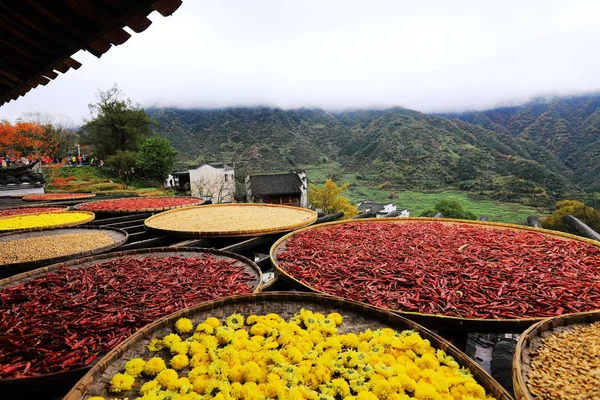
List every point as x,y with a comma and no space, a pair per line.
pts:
216,183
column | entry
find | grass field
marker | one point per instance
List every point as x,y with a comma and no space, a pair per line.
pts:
418,201
95,180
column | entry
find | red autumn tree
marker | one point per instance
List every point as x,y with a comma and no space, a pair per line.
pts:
28,139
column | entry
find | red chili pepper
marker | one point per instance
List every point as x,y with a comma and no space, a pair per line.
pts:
458,270
65,319
138,203
27,210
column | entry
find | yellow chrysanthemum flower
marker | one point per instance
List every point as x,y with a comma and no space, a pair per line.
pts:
121,382
154,366
180,361
149,387
212,321
155,345
134,367
167,379
184,325
96,398
235,321
171,339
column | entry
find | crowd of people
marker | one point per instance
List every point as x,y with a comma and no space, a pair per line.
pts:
84,160
8,161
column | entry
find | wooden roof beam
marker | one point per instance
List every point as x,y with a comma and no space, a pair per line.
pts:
117,36
166,7
138,24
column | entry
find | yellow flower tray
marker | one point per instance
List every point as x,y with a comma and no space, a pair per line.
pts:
356,318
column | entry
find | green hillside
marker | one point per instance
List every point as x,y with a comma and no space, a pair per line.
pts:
533,154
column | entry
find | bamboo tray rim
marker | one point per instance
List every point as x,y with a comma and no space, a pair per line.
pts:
524,343
122,238
78,196
102,258
236,233
90,217
400,220
82,206
391,319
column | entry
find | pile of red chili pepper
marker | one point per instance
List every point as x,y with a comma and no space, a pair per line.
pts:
459,270
27,210
57,196
138,203
66,319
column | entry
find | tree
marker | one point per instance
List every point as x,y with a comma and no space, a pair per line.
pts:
449,209
156,158
587,215
122,162
28,138
116,124
329,199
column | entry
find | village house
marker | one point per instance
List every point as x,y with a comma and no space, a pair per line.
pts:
381,210
212,181
288,189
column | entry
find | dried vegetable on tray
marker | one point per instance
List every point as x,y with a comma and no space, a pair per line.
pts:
28,210
66,318
138,204
45,220
57,196
445,268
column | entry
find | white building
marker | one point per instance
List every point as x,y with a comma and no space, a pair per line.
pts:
214,182
381,210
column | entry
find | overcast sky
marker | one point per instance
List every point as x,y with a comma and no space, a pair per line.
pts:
425,55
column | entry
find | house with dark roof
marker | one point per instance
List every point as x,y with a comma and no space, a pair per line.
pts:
289,189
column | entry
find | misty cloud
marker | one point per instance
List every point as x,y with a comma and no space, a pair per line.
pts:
429,55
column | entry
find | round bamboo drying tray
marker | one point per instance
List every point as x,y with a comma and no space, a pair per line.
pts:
119,237
36,206
235,212
434,321
85,206
357,317
531,340
75,196
90,217
62,381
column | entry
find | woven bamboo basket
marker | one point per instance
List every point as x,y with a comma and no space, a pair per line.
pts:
119,237
154,223
90,217
357,317
434,321
86,206
58,206
531,340
76,196
61,382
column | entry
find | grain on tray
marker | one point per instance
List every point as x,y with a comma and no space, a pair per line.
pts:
42,220
44,247
231,219
567,365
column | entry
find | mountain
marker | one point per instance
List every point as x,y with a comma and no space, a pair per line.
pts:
567,128
533,153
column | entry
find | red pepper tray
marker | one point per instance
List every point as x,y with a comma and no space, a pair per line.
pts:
65,317
446,274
